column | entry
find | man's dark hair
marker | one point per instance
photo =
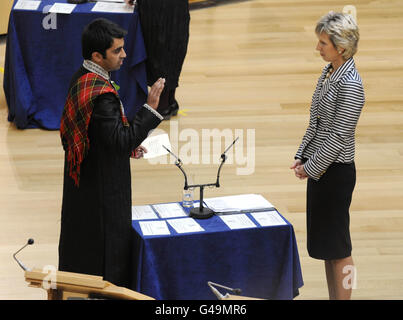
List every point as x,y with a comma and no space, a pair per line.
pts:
98,37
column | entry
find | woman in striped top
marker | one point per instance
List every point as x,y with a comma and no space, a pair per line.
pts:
326,154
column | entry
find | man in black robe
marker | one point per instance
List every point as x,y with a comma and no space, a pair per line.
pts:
98,141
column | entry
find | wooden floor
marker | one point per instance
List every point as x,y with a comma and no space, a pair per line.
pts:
250,65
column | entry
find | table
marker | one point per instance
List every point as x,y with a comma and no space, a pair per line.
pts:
40,62
262,261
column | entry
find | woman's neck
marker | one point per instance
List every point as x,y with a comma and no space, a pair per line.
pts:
337,63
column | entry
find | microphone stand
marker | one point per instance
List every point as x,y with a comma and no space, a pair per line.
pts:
29,242
212,286
202,212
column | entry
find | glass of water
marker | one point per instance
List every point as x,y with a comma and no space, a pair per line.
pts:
187,198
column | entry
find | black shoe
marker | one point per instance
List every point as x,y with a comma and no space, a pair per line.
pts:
174,108
171,111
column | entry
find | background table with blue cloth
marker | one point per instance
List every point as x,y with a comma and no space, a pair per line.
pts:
263,261
40,62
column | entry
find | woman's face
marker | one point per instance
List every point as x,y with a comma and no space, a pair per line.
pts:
326,48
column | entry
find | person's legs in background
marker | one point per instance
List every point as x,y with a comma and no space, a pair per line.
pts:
168,106
338,274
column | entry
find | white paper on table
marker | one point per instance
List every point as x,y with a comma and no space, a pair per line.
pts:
65,8
185,225
143,213
154,145
169,210
196,204
154,228
27,5
113,7
268,218
238,221
238,203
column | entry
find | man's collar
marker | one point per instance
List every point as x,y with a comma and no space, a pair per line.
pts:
95,68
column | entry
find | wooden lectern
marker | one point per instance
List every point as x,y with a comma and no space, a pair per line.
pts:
62,285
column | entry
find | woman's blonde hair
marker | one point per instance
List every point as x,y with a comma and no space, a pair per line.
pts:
342,31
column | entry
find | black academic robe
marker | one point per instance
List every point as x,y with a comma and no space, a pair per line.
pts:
96,230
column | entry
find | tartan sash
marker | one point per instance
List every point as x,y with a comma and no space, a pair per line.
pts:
76,118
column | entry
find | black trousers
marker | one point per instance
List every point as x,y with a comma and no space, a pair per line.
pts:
328,217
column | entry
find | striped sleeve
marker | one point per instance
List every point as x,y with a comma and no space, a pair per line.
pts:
309,134
349,105
310,131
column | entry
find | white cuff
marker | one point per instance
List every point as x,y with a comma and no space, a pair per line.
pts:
153,111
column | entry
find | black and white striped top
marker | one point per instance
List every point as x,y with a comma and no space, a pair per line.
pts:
336,106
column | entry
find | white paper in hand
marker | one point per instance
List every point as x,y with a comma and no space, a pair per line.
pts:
154,146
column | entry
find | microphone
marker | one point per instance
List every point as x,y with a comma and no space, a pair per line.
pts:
29,242
223,158
218,294
229,147
201,212
179,163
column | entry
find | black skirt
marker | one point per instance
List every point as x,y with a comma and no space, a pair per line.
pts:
328,217
165,27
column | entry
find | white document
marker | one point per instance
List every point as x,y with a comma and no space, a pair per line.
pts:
169,210
65,8
268,218
185,225
113,7
238,221
143,213
196,204
238,203
27,5
154,145
154,228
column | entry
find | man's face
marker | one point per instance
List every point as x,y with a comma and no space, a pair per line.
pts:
114,56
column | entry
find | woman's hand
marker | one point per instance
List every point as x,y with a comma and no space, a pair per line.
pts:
296,163
299,170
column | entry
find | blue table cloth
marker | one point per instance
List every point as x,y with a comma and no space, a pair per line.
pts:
40,63
262,261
